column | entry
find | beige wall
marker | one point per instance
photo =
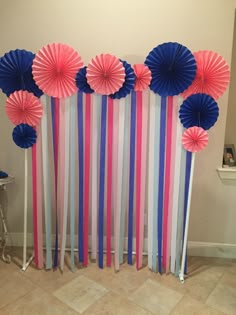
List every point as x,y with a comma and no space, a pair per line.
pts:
129,29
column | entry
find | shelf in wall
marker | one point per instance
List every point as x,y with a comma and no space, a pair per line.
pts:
228,173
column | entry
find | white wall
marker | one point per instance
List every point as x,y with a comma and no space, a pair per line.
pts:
129,29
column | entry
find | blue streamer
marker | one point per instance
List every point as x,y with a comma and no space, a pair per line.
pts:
161,179
81,174
131,175
102,181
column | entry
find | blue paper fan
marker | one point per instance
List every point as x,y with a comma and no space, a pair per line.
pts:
24,136
128,85
199,110
173,68
81,81
16,72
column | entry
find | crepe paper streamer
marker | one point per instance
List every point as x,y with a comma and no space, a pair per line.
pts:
109,178
119,180
171,191
180,220
16,72
173,68
81,81
131,175
139,126
195,139
23,107
94,175
212,77
55,116
46,181
161,179
66,131
142,77
24,136
151,175
167,176
54,69
124,177
102,181
176,184
156,180
81,175
87,141
128,84
199,110
105,74
190,161
72,179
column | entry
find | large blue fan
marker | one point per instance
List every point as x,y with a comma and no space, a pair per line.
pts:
24,136
128,85
199,110
16,72
173,68
81,81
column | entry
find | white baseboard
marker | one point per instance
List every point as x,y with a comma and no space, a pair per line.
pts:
202,249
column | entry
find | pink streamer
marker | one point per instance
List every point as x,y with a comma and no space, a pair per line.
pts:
109,176
87,174
167,177
172,171
138,175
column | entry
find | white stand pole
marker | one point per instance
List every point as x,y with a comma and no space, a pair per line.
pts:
181,274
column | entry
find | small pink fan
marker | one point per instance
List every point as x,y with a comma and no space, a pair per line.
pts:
195,139
212,76
54,69
143,77
105,74
23,107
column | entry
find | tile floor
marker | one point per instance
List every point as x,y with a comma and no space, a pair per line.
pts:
209,290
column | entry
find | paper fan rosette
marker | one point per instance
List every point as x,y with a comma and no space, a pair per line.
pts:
142,77
81,81
105,74
54,69
16,72
128,84
24,136
173,68
194,139
199,110
24,107
212,77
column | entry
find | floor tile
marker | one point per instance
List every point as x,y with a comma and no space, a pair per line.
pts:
156,298
38,302
13,285
223,297
80,293
190,306
114,304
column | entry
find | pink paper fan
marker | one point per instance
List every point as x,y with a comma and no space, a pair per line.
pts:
105,74
54,69
194,139
23,107
143,77
212,76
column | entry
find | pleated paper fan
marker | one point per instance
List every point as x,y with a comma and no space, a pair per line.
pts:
199,110
212,77
194,139
128,84
24,136
143,77
105,74
54,69
16,72
81,81
173,68
24,107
